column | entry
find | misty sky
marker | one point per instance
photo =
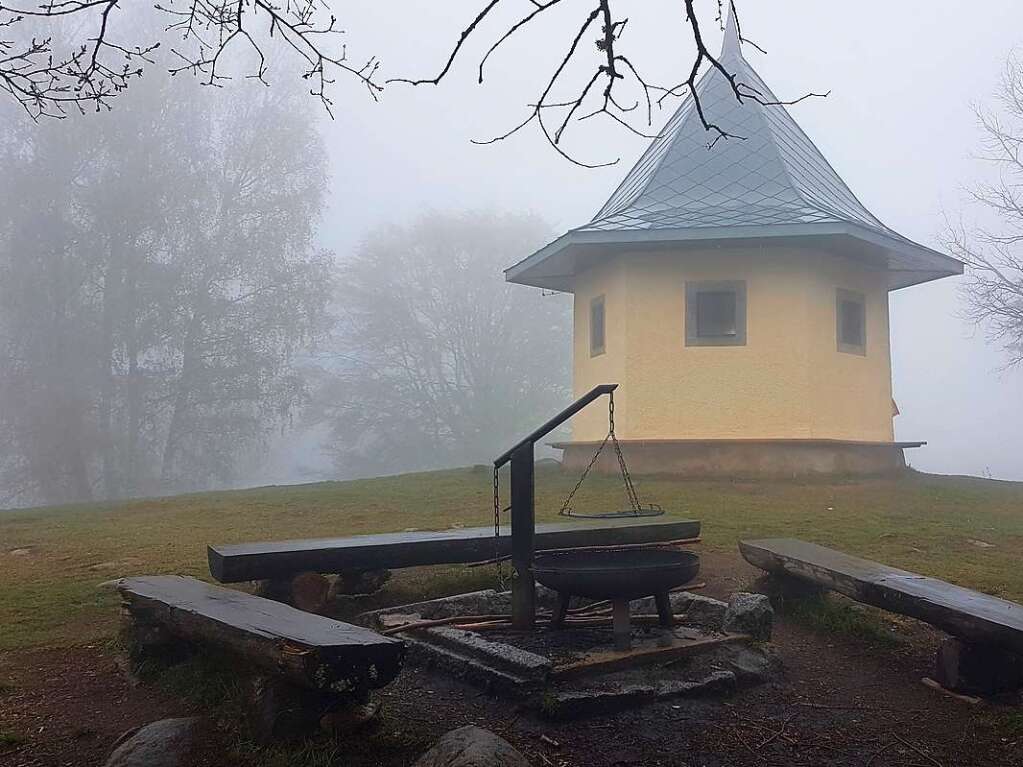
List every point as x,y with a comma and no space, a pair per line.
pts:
897,126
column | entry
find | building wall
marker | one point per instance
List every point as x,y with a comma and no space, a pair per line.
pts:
851,394
607,279
789,381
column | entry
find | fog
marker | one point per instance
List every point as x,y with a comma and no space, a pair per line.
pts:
897,125
384,197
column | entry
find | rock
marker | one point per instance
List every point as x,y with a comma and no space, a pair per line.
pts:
751,665
472,747
20,552
359,582
749,614
577,704
715,683
166,743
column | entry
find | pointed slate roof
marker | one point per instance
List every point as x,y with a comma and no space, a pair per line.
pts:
767,180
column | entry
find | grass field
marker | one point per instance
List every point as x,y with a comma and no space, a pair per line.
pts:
52,560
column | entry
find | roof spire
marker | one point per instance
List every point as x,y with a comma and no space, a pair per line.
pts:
730,45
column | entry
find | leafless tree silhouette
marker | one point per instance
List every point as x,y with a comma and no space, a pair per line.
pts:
613,71
47,79
993,251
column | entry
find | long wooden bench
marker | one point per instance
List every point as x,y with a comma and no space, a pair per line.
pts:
334,663
285,559
989,630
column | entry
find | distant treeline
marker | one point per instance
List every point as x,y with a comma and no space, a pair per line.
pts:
165,309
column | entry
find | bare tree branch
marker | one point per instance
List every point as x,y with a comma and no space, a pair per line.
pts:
46,81
613,71
993,251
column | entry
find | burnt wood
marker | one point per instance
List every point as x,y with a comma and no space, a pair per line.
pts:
970,615
281,560
308,650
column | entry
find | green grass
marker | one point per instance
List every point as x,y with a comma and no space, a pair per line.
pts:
831,614
49,596
11,739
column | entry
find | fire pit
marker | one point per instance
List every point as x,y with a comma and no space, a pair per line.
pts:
617,575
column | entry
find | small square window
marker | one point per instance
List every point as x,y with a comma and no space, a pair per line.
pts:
716,313
597,326
851,322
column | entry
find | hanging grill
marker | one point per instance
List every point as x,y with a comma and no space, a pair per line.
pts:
636,509
611,572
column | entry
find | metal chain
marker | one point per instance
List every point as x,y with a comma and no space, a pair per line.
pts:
502,581
630,489
566,506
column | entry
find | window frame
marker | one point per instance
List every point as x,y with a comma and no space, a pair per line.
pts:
842,296
595,302
693,289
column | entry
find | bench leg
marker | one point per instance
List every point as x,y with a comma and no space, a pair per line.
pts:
309,591
282,712
979,669
149,643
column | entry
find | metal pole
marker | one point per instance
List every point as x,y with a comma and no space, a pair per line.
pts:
523,528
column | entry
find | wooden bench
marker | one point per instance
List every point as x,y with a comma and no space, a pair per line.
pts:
285,566
985,655
304,663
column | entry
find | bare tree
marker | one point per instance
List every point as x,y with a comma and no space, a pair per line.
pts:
46,68
436,360
158,279
98,64
993,249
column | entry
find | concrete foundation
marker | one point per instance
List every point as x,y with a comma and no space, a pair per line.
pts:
744,458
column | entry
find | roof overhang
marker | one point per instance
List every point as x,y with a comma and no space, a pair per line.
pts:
555,266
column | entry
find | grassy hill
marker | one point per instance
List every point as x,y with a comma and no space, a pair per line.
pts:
966,530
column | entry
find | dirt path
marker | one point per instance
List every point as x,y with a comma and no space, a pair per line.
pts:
842,702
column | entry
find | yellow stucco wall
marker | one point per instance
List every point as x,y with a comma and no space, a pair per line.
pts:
788,382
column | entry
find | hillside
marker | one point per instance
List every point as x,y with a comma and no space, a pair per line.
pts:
966,530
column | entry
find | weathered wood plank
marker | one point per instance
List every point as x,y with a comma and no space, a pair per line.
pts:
965,613
310,650
614,660
284,559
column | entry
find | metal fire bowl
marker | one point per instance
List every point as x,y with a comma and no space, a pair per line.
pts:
616,573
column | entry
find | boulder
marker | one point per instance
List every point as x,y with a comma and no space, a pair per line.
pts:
749,614
751,665
698,610
472,747
166,743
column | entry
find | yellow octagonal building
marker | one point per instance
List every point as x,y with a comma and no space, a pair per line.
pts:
738,292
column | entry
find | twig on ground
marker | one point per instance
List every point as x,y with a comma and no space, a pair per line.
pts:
917,750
